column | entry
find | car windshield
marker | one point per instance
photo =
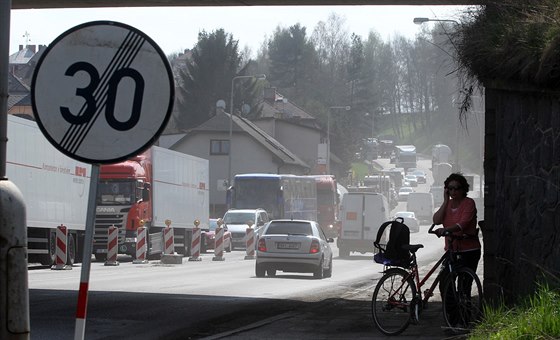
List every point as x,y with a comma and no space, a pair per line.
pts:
212,225
238,217
289,228
405,190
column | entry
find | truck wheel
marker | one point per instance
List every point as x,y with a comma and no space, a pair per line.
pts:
48,259
343,252
100,257
71,250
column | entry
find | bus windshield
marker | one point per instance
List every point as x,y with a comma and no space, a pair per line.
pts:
257,193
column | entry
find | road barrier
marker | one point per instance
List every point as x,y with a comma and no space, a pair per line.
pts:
169,255
112,244
249,243
219,245
61,252
168,241
195,245
141,246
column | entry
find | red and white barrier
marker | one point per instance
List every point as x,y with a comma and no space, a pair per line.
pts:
219,245
112,244
168,241
61,252
195,245
249,243
141,246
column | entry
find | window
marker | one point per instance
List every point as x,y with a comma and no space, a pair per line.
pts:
219,147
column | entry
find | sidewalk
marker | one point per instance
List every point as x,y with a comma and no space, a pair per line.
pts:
348,317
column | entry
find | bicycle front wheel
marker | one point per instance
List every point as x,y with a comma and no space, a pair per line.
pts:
462,300
391,301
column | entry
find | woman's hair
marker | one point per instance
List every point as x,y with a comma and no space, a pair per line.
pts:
458,177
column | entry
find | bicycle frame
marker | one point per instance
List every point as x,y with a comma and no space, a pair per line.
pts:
414,274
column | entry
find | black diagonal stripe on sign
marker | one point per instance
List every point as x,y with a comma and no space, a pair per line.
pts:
69,136
102,98
80,132
89,125
120,60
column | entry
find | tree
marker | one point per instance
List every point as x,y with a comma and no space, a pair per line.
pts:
207,77
293,64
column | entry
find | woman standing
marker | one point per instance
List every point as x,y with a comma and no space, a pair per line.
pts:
457,214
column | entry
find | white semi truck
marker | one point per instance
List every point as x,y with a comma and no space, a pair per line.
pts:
55,189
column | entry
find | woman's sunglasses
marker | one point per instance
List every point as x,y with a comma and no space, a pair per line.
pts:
453,188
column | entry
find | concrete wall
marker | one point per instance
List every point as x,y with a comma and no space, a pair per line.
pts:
522,201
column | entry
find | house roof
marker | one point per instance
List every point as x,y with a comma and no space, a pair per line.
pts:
21,57
221,122
277,106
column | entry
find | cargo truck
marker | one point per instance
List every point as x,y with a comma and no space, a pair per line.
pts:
146,190
361,213
55,189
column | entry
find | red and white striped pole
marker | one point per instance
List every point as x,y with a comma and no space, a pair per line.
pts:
81,309
112,243
249,243
61,251
219,245
195,243
168,241
141,246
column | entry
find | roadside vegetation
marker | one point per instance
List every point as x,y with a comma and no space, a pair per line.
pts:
536,318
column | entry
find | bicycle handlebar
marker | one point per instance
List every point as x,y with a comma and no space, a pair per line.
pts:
449,233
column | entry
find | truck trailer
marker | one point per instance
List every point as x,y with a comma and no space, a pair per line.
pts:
147,190
55,189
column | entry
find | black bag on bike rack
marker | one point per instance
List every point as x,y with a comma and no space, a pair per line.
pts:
392,253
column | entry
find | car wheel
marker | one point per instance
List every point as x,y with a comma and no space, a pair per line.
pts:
259,270
271,272
318,273
328,272
228,249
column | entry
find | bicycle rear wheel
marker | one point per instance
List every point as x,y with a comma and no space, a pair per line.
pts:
390,303
462,300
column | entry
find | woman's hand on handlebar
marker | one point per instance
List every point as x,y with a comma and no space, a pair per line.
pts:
439,231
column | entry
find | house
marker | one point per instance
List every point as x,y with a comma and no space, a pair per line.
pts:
252,150
20,73
296,129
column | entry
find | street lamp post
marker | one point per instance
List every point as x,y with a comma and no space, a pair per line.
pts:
347,108
257,76
420,21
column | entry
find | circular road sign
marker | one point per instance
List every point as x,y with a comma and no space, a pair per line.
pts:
102,92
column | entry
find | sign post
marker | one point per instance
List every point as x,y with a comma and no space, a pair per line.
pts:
102,92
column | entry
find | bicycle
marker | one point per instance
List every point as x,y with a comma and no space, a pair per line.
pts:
397,300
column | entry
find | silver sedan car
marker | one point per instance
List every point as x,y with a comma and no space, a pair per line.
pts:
298,246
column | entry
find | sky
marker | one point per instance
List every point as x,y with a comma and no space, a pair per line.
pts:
176,28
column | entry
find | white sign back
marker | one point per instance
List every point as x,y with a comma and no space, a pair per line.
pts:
102,92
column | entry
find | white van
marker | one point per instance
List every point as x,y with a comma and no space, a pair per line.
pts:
361,214
422,204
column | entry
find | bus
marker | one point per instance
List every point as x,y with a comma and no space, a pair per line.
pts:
282,196
327,204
